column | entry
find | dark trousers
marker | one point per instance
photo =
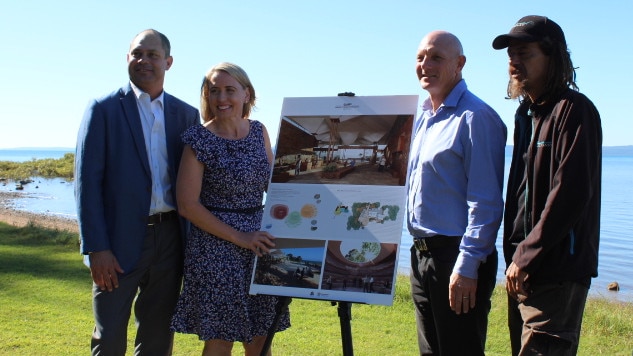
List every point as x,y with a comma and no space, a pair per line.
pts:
440,330
548,321
157,278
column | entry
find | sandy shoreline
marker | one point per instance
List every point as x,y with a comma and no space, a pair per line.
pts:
20,218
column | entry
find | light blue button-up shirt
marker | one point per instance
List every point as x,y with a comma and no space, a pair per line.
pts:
456,175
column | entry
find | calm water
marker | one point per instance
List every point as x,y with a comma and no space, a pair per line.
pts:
616,249
55,196
47,196
23,155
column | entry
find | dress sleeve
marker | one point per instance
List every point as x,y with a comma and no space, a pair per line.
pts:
195,137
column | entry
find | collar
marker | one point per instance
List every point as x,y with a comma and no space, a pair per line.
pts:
451,99
138,93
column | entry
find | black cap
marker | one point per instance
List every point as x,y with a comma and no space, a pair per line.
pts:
531,29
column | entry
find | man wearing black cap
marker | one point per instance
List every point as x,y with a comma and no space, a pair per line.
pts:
552,212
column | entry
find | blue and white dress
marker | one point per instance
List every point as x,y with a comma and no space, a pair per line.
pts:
215,303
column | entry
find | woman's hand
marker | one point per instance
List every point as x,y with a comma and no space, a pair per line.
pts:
259,242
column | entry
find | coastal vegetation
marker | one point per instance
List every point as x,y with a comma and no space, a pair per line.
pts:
45,168
46,310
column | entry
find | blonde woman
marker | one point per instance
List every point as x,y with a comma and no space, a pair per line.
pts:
223,175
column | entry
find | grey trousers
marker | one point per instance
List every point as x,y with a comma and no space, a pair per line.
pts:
548,321
152,287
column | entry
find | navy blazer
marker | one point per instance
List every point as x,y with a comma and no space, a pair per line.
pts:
113,184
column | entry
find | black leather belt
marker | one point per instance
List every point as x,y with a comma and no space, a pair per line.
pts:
160,217
438,241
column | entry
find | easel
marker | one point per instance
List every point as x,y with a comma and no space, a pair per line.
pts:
344,314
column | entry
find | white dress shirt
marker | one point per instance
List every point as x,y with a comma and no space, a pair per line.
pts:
153,122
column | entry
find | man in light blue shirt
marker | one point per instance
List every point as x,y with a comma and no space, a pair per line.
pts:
454,203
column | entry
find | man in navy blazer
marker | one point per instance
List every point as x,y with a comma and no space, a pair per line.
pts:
128,153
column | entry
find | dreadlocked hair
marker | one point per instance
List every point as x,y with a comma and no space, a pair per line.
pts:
561,73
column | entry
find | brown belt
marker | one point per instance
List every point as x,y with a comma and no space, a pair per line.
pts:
160,217
438,241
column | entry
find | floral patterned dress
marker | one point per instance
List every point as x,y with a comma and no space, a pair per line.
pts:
215,303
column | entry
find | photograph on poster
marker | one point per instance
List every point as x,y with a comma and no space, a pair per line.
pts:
352,266
293,263
346,149
363,267
336,199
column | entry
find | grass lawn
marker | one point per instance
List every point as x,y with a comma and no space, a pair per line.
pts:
46,310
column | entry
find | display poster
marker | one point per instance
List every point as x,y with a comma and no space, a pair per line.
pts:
336,199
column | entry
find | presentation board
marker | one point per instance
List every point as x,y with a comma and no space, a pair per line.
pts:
336,198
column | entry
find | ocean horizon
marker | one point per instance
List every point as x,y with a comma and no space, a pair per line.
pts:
56,197
25,154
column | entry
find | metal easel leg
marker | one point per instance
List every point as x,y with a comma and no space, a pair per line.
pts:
282,305
345,316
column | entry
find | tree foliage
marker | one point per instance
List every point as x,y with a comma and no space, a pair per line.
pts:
46,168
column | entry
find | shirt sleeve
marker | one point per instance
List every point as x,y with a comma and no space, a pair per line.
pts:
484,139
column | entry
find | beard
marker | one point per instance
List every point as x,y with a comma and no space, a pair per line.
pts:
517,88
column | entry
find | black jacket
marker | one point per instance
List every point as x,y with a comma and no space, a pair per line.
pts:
555,177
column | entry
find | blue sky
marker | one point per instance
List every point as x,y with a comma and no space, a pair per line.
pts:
56,56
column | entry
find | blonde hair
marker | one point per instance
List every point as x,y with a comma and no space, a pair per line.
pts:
238,74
